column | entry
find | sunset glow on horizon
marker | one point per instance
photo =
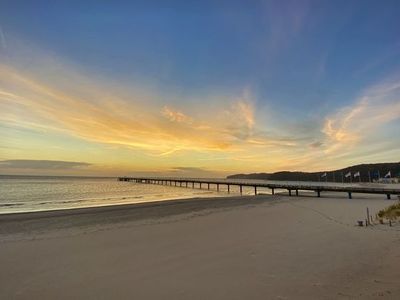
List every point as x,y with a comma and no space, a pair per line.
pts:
197,91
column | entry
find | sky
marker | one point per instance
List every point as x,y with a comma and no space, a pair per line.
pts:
197,88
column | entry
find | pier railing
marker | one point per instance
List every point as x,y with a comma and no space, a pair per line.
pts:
290,186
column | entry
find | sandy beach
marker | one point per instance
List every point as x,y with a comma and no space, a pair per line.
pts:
256,247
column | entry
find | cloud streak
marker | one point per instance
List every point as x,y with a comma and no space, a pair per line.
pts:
41,164
3,42
372,114
97,114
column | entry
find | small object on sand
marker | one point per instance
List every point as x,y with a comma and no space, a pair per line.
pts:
360,223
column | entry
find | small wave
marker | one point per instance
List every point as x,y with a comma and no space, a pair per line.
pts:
10,204
88,200
71,201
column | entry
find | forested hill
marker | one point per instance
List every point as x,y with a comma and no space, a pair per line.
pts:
375,171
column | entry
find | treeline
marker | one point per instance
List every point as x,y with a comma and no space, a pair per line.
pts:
367,172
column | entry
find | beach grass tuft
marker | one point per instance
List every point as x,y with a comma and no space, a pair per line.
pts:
392,212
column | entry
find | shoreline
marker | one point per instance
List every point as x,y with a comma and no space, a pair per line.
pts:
116,207
53,220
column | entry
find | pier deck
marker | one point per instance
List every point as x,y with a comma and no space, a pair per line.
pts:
290,186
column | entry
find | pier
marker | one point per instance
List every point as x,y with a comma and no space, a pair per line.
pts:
293,187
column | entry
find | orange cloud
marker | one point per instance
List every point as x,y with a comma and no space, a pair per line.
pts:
112,120
174,116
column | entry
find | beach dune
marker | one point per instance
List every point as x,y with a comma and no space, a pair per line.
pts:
262,247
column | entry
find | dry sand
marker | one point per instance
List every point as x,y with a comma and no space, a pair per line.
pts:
263,247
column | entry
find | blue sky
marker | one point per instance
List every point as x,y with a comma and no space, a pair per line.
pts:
295,64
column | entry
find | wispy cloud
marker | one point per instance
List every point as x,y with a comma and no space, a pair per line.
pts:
41,164
95,112
285,20
364,121
191,169
3,42
174,115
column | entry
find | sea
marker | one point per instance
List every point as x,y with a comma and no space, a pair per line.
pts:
42,193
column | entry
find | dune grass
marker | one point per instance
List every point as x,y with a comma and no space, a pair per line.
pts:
392,212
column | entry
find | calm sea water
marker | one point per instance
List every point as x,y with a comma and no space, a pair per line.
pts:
38,193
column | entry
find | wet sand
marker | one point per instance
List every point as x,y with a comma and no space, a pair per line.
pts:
262,247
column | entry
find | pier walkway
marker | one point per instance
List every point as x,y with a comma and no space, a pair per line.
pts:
290,186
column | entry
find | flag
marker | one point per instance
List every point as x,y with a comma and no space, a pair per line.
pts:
347,175
388,174
357,174
323,175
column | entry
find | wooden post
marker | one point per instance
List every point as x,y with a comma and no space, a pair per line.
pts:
290,192
388,196
255,190
350,197
228,189
193,185
208,186
217,187
200,184
318,193
273,191
241,189
297,192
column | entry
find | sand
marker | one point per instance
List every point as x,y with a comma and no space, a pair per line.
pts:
261,247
